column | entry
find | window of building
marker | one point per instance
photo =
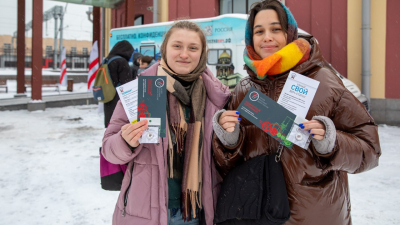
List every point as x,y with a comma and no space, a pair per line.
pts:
237,6
7,48
249,3
139,20
149,50
85,51
217,56
73,50
49,49
225,6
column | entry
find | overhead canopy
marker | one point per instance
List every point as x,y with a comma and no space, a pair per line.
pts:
98,3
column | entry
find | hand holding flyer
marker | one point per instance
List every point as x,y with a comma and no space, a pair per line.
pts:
145,98
297,96
281,119
268,115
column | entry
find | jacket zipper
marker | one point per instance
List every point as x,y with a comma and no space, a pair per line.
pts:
211,169
127,192
165,194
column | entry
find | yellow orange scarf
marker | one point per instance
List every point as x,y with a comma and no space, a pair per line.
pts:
281,61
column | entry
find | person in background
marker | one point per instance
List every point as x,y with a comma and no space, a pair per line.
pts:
344,135
135,64
158,57
174,181
120,73
145,62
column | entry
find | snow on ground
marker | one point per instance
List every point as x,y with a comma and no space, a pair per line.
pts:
375,194
50,167
50,171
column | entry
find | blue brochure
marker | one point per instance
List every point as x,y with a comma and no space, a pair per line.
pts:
152,100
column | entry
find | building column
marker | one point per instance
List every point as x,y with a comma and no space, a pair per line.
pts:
37,51
354,41
107,28
129,13
163,10
378,50
391,64
96,30
21,48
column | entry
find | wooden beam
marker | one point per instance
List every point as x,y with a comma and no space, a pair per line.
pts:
37,51
21,48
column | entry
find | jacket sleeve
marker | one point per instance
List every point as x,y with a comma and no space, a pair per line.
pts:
357,147
115,149
227,156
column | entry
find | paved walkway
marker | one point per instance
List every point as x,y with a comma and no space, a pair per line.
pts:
49,98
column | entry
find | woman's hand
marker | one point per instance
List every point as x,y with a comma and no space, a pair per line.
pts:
228,120
315,128
132,132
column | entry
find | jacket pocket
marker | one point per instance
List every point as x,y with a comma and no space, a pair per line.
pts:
137,195
155,188
148,157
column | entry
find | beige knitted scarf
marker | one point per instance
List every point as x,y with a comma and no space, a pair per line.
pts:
193,96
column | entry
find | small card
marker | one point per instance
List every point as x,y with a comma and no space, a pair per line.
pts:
150,135
152,121
299,136
128,94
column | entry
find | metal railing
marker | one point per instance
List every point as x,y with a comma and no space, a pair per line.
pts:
75,59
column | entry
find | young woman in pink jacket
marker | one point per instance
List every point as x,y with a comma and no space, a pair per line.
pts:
173,181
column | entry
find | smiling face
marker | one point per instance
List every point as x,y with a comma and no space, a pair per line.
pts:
183,50
268,36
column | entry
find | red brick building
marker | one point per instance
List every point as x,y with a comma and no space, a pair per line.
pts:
335,23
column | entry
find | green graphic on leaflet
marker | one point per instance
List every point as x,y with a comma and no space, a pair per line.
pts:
277,130
268,115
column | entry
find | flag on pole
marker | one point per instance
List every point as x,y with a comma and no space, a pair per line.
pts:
93,65
63,67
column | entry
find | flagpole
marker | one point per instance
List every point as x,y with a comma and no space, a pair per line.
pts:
63,69
93,65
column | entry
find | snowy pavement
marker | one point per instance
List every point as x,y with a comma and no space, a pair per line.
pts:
50,171
375,194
